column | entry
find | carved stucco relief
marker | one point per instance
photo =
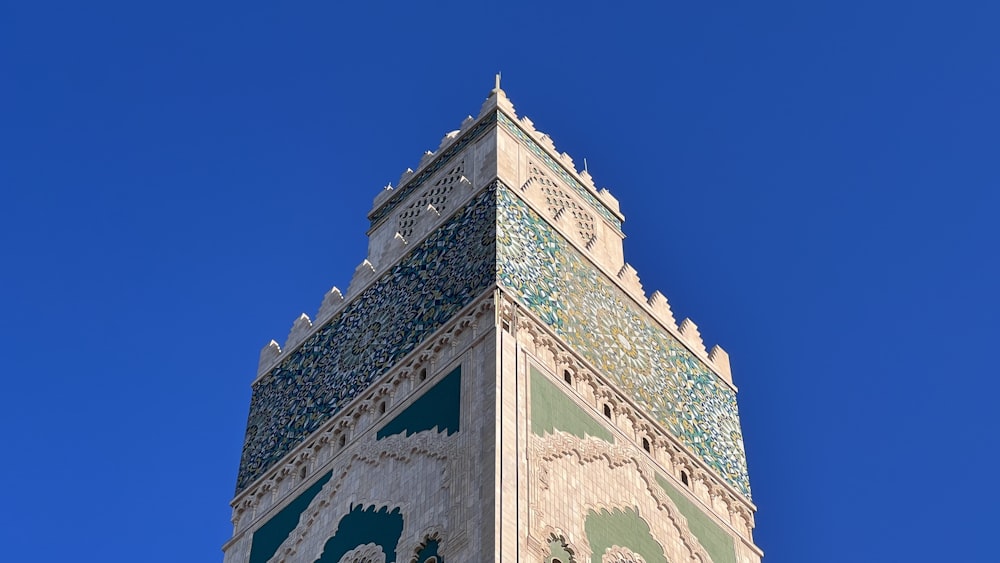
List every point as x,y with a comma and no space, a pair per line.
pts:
570,477
371,477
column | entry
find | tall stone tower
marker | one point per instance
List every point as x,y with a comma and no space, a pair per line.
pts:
494,385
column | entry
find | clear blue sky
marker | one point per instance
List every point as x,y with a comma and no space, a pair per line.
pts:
814,183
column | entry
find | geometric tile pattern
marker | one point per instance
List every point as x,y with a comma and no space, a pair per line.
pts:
606,327
558,169
420,294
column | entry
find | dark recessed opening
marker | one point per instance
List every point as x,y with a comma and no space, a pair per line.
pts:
684,478
567,377
381,407
607,411
645,444
343,440
423,374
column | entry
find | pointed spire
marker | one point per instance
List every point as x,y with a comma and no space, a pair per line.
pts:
497,99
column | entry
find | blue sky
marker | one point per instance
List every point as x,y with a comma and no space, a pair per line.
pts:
814,183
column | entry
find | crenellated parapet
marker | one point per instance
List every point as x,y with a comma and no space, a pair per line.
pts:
630,282
689,332
269,355
332,302
660,308
720,359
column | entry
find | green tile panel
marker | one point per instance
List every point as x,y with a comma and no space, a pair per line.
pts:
439,407
623,528
269,537
552,409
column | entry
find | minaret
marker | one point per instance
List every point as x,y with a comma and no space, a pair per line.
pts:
494,385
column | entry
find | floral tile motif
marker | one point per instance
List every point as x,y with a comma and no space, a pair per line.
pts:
373,332
613,333
559,170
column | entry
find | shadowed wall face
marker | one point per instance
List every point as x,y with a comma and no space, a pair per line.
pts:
455,264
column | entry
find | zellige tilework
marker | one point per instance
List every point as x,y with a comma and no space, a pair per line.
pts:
374,331
614,334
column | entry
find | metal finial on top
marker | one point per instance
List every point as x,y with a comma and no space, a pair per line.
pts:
497,82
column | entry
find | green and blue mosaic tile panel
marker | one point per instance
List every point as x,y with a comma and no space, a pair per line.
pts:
427,288
614,334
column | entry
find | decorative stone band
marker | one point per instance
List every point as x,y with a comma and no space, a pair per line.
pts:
434,161
561,172
418,178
